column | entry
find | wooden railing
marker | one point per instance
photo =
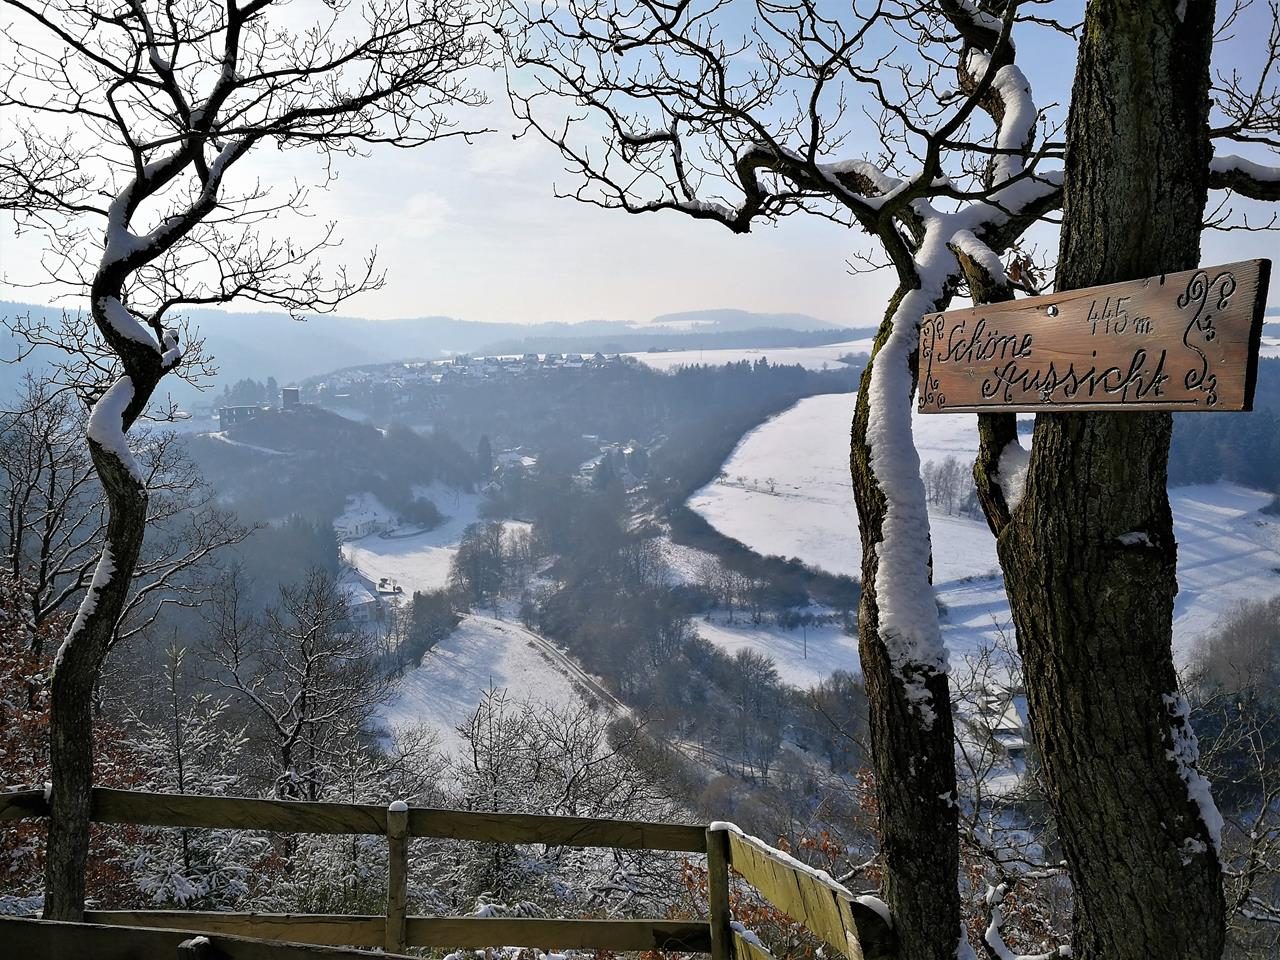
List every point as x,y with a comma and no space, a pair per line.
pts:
856,930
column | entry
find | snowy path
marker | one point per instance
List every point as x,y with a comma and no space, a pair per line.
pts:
785,490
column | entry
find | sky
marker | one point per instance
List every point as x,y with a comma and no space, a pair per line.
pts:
475,230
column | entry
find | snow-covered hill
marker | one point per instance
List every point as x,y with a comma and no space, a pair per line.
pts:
785,490
483,652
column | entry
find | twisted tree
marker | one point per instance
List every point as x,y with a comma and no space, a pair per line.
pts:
132,122
742,113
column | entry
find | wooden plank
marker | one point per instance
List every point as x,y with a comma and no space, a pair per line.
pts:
617,935
16,804
287,816
745,948
54,940
1183,341
334,930
555,831
397,876
857,931
722,943
368,931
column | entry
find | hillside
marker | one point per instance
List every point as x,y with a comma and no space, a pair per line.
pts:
786,490
482,653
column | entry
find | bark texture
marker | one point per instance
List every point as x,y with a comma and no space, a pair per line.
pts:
1094,612
79,660
914,762
72,688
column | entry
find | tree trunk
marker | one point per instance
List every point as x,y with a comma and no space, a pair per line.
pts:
75,675
1094,613
913,760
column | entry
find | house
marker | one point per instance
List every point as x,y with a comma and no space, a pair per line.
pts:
290,398
229,416
362,606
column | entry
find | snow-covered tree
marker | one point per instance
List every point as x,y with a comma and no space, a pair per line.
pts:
133,121
188,747
1093,611
55,515
561,759
908,120
308,678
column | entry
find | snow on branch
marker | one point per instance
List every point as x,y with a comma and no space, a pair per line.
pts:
1247,178
993,937
107,425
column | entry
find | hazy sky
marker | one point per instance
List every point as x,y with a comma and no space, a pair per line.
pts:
475,232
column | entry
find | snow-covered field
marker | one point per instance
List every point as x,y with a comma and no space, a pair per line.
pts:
825,357
483,652
803,656
785,490
419,561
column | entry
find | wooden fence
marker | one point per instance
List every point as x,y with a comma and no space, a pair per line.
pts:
857,931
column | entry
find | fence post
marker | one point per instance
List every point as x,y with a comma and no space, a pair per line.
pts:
397,876
718,894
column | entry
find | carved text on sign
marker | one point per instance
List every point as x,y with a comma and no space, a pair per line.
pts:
1184,341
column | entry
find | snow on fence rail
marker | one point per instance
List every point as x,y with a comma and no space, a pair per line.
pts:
857,929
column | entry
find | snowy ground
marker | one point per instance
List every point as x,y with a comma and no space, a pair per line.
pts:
685,563
785,490
363,508
419,561
825,357
803,656
223,438
483,652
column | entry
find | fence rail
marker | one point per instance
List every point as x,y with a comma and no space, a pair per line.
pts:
856,930
37,939
297,816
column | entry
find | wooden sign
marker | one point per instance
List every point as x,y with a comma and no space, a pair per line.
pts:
1183,341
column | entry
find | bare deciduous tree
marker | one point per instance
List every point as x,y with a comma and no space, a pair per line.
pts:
132,122
308,675
742,113
55,514
1094,611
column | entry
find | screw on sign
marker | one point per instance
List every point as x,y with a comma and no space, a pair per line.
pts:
1182,341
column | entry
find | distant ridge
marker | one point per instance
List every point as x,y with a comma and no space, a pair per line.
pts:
260,345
